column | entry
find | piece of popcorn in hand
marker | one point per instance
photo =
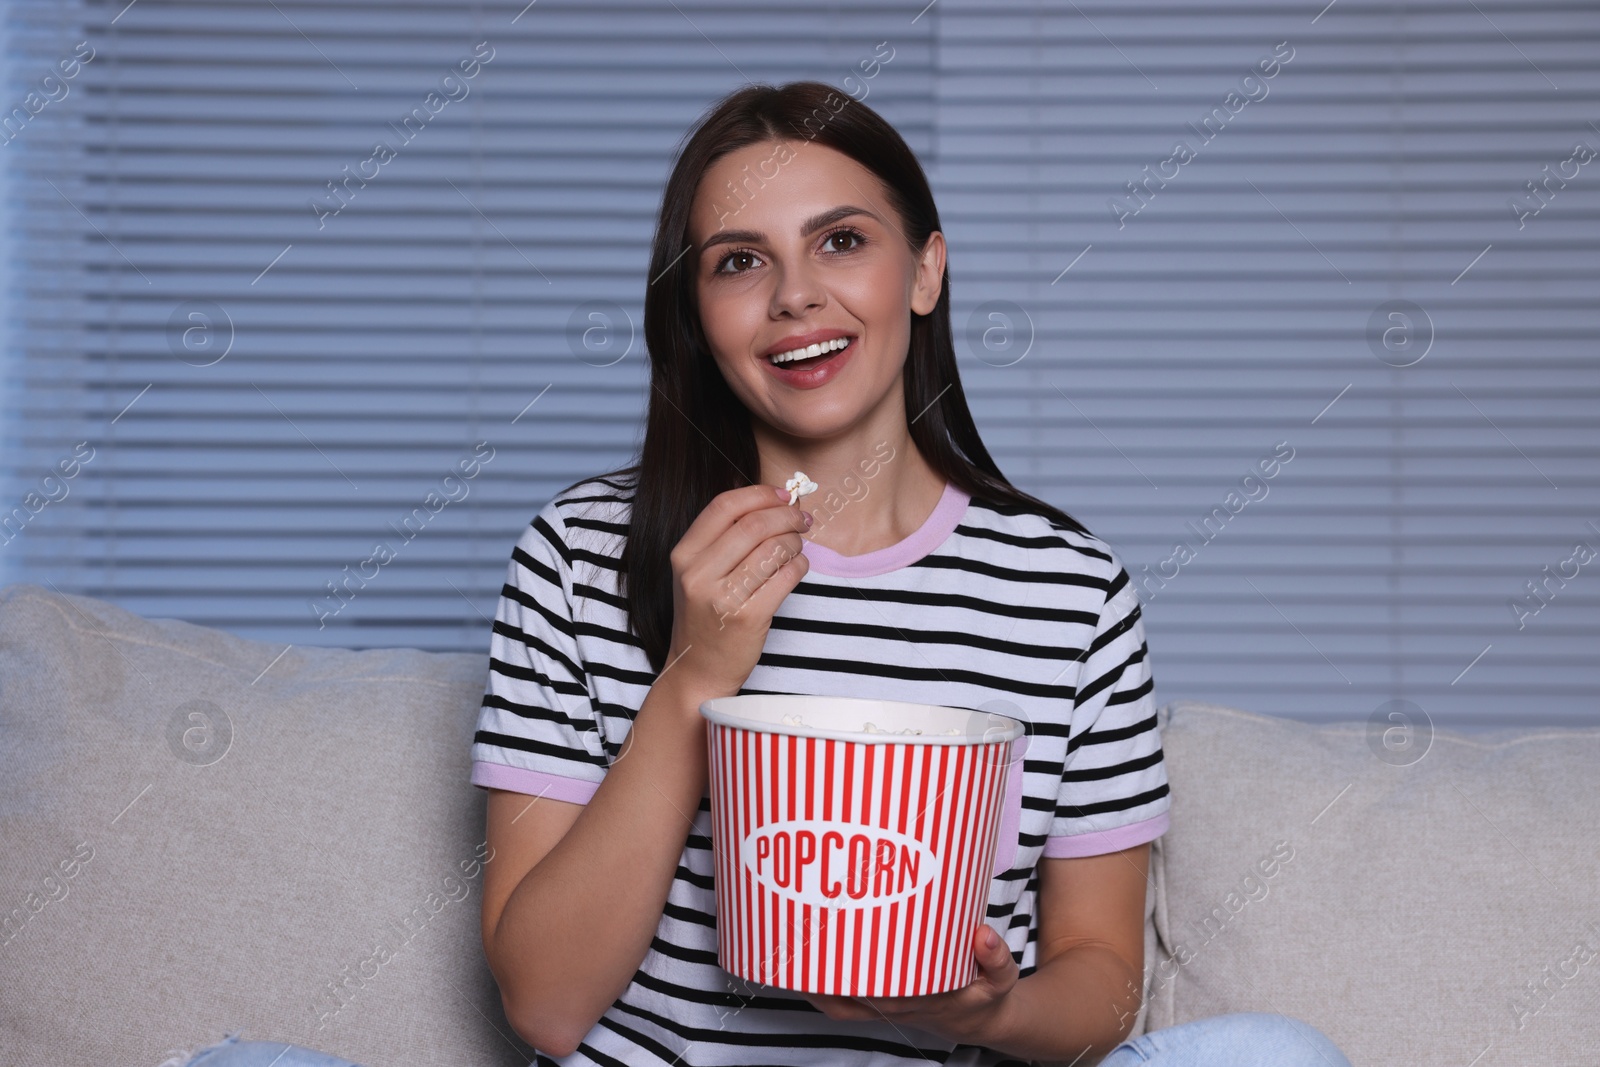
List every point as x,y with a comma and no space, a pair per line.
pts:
799,486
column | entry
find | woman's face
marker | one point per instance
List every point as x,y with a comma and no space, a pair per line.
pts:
793,242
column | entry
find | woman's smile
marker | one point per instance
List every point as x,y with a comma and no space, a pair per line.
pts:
811,371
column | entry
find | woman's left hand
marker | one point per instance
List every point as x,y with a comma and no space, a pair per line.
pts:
965,1016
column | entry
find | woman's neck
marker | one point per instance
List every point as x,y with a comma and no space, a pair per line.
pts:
873,489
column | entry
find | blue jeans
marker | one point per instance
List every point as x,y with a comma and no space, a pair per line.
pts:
231,1052
1242,1039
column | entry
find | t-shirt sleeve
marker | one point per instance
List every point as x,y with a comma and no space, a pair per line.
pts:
537,730
1114,784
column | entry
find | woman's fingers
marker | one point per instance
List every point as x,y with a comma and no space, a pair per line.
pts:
732,568
757,541
720,515
765,576
746,543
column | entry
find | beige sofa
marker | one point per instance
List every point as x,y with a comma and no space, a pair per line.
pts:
204,834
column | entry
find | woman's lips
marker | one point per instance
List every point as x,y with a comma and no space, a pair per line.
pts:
811,373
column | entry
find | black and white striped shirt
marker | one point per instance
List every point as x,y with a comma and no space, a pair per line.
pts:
993,608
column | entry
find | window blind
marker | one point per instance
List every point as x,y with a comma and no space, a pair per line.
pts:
1308,229
1324,375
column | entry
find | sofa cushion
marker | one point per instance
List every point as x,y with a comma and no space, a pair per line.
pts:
206,834
1419,901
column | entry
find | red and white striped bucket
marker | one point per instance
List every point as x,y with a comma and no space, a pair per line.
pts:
849,862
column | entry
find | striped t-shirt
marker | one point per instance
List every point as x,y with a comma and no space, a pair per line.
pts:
987,607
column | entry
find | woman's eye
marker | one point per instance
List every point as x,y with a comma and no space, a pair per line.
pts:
846,235
732,257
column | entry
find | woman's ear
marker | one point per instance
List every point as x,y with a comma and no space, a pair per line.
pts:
929,278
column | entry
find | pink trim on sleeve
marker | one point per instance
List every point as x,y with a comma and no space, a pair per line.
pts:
1099,842
536,783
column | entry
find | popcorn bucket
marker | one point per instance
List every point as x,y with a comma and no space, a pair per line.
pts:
853,840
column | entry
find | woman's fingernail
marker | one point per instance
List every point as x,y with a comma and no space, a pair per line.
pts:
990,938
783,494
807,516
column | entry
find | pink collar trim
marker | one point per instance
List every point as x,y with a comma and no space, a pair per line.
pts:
934,531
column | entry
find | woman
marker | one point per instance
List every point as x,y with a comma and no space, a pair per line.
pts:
796,223
797,319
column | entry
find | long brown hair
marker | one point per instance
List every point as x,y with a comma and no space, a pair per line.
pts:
698,441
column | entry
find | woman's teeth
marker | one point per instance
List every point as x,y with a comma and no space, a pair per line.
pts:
811,351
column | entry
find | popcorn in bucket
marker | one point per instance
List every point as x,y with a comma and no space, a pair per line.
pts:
853,839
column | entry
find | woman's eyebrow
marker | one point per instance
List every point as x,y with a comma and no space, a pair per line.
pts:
809,227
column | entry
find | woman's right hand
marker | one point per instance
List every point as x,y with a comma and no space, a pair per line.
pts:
732,568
